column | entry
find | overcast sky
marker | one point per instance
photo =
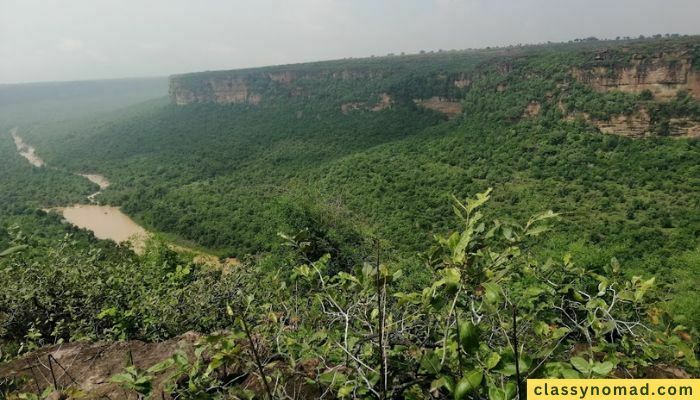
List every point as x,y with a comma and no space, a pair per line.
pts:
47,40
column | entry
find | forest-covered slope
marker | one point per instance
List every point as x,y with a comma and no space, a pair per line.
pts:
348,136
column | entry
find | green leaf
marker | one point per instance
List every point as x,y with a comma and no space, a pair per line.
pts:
430,362
180,358
346,390
444,381
492,292
480,199
108,312
122,378
533,291
559,332
161,366
497,394
508,369
538,230
468,384
327,378
492,360
541,328
510,390
347,277
615,265
542,216
451,278
581,364
12,250
569,373
468,336
602,369
643,288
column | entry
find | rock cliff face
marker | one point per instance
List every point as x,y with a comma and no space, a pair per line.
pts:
384,101
532,110
449,107
639,125
252,86
222,91
634,125
664,74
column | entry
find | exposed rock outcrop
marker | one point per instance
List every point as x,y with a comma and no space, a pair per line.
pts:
639,124
442,105
462,81
634,125
664,74
384,102
347,108
222,91
684,127
532,109
248,86
89,366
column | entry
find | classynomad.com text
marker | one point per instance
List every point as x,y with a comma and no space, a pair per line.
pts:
613,389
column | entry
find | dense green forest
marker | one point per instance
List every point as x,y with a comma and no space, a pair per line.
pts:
346,184
245,173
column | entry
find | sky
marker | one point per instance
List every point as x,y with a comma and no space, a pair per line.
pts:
59,40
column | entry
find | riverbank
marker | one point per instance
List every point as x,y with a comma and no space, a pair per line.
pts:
109,222
105,222
99,180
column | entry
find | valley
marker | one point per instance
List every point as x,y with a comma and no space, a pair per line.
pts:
105,222
318,223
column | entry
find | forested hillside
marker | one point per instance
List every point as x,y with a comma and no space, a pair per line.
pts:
361,165
391,164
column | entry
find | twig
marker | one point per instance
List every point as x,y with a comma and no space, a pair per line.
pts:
382,354
53,376
515,351
459,344
31,369
64,370
257,358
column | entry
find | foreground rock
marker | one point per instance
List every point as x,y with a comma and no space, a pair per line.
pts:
89,366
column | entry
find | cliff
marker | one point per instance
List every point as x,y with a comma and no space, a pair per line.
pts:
253,86
370,84
224,91
662,73
442,82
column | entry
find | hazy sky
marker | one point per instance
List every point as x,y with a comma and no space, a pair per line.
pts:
43,40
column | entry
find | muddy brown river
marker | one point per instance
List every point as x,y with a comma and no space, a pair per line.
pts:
105,222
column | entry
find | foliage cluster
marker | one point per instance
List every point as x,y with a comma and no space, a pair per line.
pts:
491,315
